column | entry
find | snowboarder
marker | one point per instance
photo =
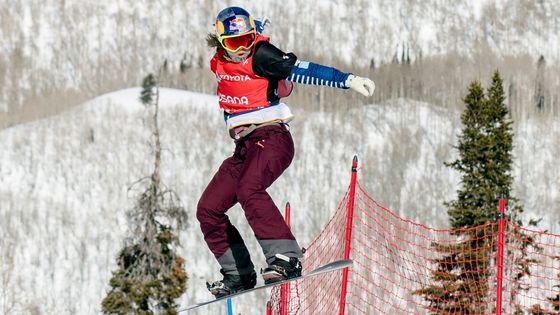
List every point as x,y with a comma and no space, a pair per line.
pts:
253,75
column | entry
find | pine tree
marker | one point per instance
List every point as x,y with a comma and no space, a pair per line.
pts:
555,301
485,162
150,275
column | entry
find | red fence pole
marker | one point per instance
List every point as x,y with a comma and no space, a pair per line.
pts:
349,220
500,256
268,308
285,288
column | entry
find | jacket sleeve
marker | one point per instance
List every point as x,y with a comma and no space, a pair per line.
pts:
272,63
305,72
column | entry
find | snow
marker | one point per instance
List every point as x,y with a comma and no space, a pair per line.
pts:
78,38
64,181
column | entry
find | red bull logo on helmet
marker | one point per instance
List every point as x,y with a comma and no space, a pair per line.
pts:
238,25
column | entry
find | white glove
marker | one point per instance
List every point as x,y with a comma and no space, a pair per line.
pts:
362,85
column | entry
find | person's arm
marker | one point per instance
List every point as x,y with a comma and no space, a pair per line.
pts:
305,72
271,62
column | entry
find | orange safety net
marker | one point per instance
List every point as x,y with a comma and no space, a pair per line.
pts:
401,267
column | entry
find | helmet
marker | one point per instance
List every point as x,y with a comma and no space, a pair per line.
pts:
235,29
233,21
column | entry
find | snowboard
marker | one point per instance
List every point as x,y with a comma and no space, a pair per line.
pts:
332,266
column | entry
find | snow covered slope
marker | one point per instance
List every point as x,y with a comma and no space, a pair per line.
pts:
90,46
64,185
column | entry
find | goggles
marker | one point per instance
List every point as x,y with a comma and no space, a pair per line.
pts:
236,43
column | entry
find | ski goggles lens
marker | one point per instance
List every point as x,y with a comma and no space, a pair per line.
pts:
234,44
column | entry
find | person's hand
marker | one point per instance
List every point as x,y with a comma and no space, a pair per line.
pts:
362,85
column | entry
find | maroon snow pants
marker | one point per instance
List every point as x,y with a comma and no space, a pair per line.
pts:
259,159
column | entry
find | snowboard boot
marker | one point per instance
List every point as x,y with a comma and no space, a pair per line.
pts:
231,284
282,268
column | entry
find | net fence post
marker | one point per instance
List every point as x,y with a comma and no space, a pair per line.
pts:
500,255
285,288
229,307
349,220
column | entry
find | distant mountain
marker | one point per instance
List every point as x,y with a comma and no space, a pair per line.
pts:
64,185
86,48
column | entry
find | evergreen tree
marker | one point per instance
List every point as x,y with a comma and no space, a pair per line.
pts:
150,275
485,162
485,158
555,301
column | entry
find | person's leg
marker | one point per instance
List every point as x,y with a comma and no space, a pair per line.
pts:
269,151
222,237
